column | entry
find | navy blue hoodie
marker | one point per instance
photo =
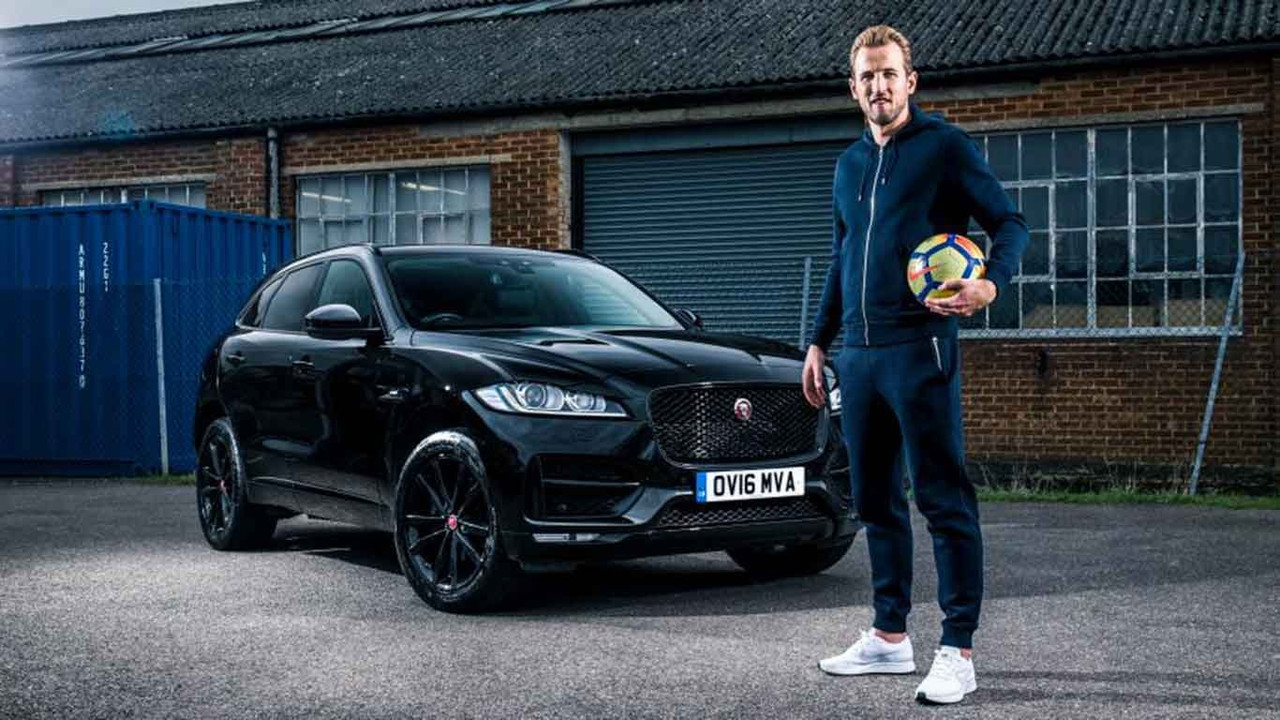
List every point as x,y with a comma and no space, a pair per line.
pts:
929,178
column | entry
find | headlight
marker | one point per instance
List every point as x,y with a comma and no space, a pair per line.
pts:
833,400
544,399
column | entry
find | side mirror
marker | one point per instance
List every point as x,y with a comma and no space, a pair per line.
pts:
338,322
689,317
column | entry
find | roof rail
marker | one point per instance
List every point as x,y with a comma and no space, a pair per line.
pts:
578,253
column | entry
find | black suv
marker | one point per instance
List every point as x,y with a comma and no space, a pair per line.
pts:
497,409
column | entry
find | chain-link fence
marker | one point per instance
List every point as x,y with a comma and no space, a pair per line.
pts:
105,378
1102,380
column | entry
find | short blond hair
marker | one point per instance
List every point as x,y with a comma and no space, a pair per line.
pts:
880,36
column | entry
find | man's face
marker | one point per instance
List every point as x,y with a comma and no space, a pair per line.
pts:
881,83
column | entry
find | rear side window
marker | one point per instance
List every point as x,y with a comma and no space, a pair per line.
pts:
293,300
253,313
346,284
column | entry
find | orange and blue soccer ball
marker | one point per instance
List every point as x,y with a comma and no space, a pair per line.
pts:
942,258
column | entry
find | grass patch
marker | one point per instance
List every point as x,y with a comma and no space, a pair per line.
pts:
1127,497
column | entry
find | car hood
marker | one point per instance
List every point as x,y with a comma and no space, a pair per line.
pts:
650,357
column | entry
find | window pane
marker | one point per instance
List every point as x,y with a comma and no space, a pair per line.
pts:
1113,253
430,192
309,198
406,229
141,194
1182,201
1071,155
1149,250
1037,305
309,238
1182,249
197,196
1184,148
478,189
354,232
1220,200
1147,299
1185,303
1113,304
1148,150
346,284
1216,294
1035,259
381,229
433,232
1221,244
1072,310
406,195
976,321
1071,256
355,194
455,191
1112,152
455,229
331,200
380,186
334,234
1221,146
1069,205
1035,207
1149,202
1002,153
293,301
480,227
1004,311
1037,155
1113,203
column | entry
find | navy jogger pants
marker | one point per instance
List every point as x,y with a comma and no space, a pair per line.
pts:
902,402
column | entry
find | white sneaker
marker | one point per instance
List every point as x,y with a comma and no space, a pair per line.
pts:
872,655
950,679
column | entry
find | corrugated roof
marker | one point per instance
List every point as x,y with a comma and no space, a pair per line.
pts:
586,55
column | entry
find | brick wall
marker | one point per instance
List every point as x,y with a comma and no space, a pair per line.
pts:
524,175
1127,400
92,165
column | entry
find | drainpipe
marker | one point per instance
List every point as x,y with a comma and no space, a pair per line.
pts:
273,172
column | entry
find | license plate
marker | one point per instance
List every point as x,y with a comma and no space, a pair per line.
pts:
754,484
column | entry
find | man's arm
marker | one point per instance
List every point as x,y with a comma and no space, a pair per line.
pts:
826,323
992,208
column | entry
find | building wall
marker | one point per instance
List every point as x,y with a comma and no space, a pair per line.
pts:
1026,400
1139,399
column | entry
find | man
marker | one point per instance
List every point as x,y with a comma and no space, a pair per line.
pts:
908,177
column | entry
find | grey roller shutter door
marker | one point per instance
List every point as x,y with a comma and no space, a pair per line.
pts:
722,232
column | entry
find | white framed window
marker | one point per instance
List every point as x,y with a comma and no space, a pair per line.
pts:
1135,230
443,206
192,194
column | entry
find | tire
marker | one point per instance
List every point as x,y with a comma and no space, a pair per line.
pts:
228,520
447,529
789,561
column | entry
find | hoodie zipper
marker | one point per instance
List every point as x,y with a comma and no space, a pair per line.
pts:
937,354
866,250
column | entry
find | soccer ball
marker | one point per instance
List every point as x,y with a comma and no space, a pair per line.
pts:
941,258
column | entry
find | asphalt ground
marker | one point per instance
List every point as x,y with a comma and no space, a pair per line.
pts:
113,606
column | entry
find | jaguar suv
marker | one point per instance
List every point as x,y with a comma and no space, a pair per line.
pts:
502,410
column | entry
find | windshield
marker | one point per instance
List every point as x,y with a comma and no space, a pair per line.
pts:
444,291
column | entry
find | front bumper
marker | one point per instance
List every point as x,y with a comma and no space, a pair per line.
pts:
649,507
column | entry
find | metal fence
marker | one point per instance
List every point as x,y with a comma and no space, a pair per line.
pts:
778,299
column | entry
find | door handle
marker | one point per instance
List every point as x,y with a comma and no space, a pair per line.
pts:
235,359
394,396
304,364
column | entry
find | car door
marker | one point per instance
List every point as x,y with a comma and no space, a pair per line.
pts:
347,425
277,400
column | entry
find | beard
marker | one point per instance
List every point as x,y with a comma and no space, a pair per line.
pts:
883,114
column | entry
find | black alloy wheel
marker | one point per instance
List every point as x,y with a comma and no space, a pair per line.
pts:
228,520
447,531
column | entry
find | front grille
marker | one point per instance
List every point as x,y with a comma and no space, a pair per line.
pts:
698,425
687,514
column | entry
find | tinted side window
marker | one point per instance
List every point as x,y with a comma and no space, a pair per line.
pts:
345,283
293,300
253,313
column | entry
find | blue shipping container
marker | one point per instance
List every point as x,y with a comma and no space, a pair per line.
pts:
104,301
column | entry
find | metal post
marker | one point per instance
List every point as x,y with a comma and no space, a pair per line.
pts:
804,300
164,421
1227,322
